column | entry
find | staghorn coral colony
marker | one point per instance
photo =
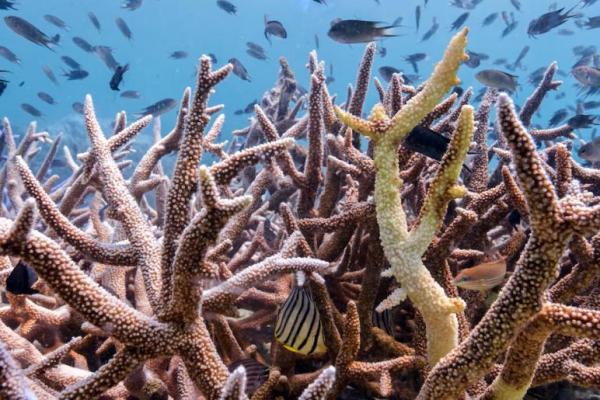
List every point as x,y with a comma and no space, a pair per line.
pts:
298,264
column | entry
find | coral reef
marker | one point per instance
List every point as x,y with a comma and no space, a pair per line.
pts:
155,285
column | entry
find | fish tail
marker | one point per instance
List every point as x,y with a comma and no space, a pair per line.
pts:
386,31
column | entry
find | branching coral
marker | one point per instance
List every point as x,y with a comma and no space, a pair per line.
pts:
156,284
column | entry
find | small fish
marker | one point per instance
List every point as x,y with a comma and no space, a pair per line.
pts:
256,373
49,74
3,85
226,6
213,58
131,94
386,72
497,79
509,28
516,4
558,116
54,20
70,62
584,50
83,44
590,151
382,51
26,30
255,47
239,70
548,21
587,3
122,25
21,279
413,59
94,21
566,32
581,121
178,55
158,108
514,218
490,19
29,109
105,54
589,105
298,327
76,74
250,108
587,76
274,28
592,23
458,22
316,41
117,77
475,59
418,16
482,277
434,27
357,31
7,5
131,5
77,107
520,57
9,55
427,142
256,54
383,320
45,97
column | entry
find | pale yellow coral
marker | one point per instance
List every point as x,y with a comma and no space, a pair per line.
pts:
404,249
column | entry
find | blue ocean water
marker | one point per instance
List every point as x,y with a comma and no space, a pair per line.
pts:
198,27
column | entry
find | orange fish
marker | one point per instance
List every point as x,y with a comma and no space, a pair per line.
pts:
482,277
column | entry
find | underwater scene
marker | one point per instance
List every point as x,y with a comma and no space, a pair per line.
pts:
299,199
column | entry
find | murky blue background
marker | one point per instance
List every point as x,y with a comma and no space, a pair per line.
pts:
199,26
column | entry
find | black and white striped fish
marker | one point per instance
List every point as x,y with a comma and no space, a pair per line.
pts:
298,326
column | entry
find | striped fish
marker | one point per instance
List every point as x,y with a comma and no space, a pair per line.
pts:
298,326
383,320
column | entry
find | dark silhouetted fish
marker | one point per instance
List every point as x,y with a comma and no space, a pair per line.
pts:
131,94
76,74
255,47
46,98
509,28
54,20
358,31
250,107
581,121
239,70
548,21
413,59
520,57
226,6
274,28
427,142
77,107
584,50
70,62
117,77
26,30
94,21
316,41
418,17
213,58
256,54
49,74
7,5
3,85
458,22
592,22
516,4
386,72
21,279
566,32
131,5
475,59
158,108
590,105
382,51
434,27
105,54
490,19
122,25
558,116
29,109
83,44
9,55
178,55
